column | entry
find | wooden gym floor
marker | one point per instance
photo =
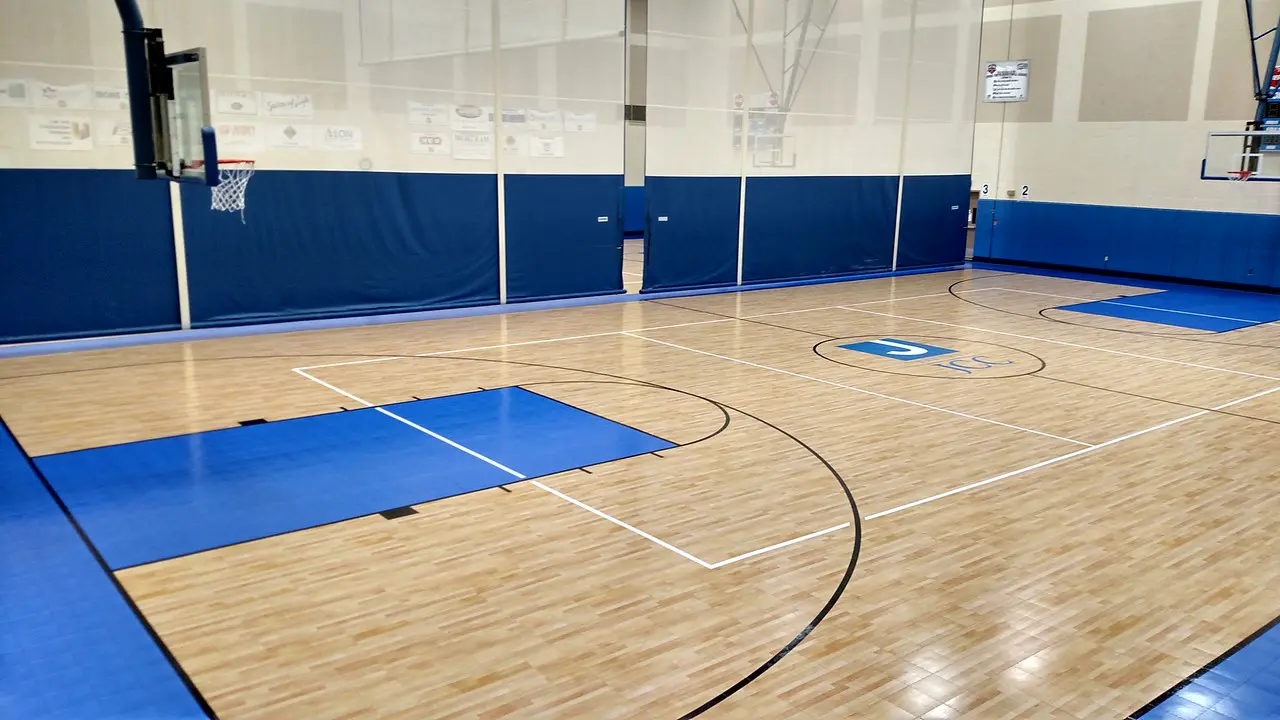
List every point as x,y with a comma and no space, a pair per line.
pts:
1070,520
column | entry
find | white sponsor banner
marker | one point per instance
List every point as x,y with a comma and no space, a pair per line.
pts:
111,98
59,133
472,145
579,122
236,102
471,117
14,93
545,120
428,114
1007,81
340,137
514,145
429,143
289,136
238,136
115,132
546,147
516,117
287,105
79,97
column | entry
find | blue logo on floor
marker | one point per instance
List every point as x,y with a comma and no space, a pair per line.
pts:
897,349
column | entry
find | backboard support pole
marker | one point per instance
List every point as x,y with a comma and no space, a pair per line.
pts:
137,70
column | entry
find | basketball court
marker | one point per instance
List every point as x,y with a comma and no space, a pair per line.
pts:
801,458
742,503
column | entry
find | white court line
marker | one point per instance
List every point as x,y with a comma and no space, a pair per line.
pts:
621,524
1067,344
1032,292
1180,312
1111,301
859,390
562,496
499,346
1061,458
624,272
792,541
416,426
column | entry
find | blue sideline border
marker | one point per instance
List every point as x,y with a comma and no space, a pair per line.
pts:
54,347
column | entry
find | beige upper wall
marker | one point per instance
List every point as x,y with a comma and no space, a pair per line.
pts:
1123,94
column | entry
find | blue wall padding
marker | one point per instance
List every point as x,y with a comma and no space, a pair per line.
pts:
804,227
1236,248
633,210
84,252
557,246
72,647
935,219
697,244
333,244
984,224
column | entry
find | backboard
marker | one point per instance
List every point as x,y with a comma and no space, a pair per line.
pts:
186,141
1252,156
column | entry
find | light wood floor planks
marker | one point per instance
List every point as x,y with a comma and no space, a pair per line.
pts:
1064,535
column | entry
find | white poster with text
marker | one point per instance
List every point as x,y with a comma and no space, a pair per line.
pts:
434,114
77,97
471,117
289,136
472,145
579,122
340,137
236,102
238,137
287,105
115,132
546,147
1007,81
13,93
59,133
111,98
429,143
545,120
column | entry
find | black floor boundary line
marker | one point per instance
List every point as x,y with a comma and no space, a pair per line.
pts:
857,518
128,599
1187,405
1196,337
637,383
1206,668
831,602
741,319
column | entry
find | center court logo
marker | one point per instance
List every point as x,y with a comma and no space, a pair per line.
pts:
936,357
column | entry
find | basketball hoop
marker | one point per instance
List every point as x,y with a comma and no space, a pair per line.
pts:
233,181
1240,175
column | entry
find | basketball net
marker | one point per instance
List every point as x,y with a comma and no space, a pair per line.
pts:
1240,175
233,181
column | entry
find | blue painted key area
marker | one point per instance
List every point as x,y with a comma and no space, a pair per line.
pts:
157,499
1243,685
70,646
1212,310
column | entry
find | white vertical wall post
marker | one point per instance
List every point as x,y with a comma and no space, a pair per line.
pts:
746,128
496,28
180,254
906,123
